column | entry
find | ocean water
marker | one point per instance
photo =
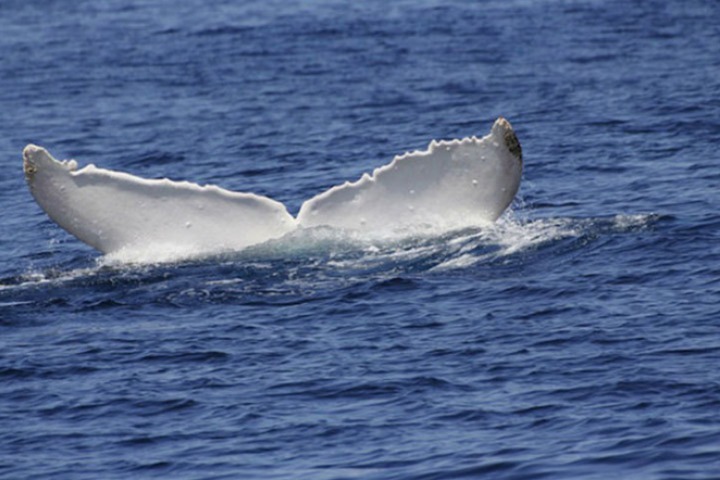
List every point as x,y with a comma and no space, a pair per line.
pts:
577,338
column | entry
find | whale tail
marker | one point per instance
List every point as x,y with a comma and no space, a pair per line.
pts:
113,210
452,184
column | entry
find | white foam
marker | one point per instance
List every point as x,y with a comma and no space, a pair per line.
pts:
510,236
629,222
50,276
340,254
156,253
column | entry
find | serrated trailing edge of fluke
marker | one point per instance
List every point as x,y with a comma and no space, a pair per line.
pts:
501,128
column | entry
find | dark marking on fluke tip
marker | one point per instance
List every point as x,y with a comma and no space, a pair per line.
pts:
513,144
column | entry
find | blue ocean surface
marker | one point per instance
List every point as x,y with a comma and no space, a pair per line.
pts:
577,338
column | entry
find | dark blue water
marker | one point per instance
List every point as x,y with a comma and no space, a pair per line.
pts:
579,338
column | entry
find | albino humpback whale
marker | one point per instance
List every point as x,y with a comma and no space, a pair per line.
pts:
450,185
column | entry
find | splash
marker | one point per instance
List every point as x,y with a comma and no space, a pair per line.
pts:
451,185
310,258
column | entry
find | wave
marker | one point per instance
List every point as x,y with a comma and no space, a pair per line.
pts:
326,256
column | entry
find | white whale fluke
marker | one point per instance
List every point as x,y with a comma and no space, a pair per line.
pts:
452,184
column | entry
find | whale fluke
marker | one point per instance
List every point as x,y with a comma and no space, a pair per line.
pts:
113,210
451,184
